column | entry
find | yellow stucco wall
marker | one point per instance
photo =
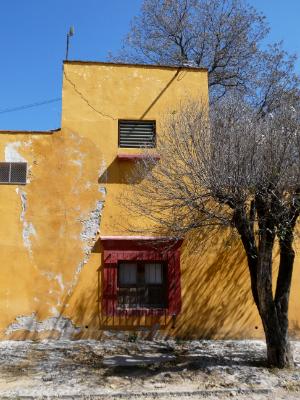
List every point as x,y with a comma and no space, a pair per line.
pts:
51,254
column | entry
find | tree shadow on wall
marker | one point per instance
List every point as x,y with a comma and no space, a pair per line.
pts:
217,298
91,314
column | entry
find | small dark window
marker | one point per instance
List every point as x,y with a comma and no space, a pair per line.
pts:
137,134
141,285
13,172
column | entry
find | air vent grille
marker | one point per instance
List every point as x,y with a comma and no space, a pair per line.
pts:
137,134
13,172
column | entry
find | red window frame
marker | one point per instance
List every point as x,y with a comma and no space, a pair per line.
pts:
118,250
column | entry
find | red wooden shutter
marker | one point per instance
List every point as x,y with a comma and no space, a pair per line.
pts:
174,287
109,288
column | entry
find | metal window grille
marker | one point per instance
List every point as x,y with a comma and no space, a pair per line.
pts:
141,285
137,134
13,172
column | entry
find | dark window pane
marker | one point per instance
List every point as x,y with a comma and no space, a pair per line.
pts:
153,273
127,274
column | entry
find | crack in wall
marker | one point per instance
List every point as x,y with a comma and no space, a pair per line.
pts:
86,100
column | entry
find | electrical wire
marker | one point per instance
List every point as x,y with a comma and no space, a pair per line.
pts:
24,107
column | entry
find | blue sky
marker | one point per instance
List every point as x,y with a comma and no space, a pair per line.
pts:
33,39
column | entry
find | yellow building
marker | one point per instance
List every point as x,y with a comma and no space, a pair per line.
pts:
69,267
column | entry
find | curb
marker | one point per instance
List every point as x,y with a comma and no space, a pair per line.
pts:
146,395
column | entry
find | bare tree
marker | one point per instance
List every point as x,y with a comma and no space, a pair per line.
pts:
236,171
224,36
274,80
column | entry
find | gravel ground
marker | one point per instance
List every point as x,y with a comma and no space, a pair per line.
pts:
143,370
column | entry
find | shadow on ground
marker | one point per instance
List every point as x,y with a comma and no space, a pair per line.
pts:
65,367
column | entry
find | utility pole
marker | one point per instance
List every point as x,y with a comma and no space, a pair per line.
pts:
69,34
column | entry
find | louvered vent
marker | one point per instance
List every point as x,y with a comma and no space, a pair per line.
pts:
137,134
13,172
4,172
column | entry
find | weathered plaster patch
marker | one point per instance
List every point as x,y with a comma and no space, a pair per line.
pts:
29,323
54,311
102,190
77,162
28,228
23,202
78,269
90,230
58,278
12,154
91,225
103,174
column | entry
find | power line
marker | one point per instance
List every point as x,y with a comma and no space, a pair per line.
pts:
24,107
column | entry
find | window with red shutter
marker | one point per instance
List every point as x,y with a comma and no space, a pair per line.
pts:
141,278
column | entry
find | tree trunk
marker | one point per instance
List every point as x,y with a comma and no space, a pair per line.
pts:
274,313
276,331
284,279
273,310
278,350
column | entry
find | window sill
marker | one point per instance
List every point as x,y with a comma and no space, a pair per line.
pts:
140,308
133,157
128,312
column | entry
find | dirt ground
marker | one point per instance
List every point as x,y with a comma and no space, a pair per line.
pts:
116,369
